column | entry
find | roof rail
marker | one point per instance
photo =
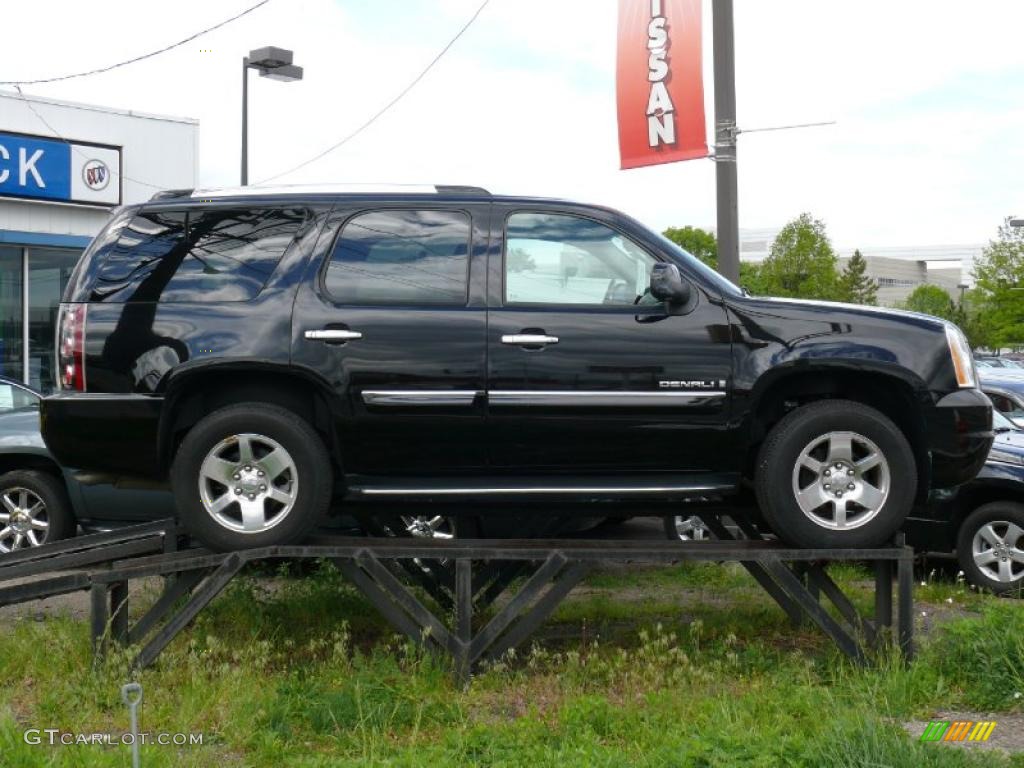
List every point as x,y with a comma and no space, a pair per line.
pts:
329,189
167,194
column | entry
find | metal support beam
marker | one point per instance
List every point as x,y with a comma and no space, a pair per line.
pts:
99,616
174,589
540,611
847,643
463,618
478,570
201,597
119,612
756,569
905,605
883,595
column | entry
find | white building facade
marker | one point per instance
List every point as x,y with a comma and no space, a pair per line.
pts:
63,168
897,269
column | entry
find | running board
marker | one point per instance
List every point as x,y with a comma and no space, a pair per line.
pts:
562,488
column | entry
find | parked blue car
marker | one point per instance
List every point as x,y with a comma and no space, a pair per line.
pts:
42,502
1006,393
982,521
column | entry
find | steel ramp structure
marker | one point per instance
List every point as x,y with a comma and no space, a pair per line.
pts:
463,578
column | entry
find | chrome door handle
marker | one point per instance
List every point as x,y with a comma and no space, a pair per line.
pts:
528,339
333,334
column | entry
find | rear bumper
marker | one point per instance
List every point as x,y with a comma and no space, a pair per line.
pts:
103,433
959,437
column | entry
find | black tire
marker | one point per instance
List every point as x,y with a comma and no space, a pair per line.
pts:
998,514
56,513
780,453
311,492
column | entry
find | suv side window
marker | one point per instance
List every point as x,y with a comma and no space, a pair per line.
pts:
562,259
202,255
401,257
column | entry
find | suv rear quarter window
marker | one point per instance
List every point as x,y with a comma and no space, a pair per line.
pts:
212,255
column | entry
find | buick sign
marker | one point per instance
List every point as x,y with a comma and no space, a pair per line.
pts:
44,168
96,175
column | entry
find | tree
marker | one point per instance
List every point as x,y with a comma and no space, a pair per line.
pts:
999,287
802,263
750,278
854,284
520,261
697,241
931,300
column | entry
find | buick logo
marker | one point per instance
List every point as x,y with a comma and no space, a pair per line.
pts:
96,175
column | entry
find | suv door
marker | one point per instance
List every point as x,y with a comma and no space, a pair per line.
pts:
587,373
392,316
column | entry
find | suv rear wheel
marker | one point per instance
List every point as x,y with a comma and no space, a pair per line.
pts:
835,473
251,475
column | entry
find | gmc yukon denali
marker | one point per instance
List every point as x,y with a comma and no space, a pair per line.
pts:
279,353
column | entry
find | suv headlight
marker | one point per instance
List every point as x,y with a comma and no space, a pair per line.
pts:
963,360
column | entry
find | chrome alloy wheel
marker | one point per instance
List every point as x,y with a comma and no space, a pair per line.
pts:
248,483
24,520
996,549
429,527
841,480
691,528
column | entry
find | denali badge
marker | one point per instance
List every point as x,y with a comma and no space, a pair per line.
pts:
698,384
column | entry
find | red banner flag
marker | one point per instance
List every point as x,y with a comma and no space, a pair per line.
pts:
659,82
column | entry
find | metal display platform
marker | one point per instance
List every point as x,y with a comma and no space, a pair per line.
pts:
462,577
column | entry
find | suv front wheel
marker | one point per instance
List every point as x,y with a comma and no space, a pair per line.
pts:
251,475
836,473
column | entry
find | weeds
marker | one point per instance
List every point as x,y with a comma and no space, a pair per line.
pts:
301,671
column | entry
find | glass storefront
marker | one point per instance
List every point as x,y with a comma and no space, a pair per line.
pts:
32,280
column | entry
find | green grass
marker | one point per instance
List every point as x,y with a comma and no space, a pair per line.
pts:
682,666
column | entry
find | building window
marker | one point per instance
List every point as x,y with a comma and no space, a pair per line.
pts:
895,282
32,281
49,270
11,326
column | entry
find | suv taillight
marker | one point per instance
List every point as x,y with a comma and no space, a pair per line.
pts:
71,346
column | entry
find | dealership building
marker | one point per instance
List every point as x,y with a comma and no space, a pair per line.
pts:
63,167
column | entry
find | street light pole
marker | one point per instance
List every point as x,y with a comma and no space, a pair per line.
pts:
245,120
274,64
725,140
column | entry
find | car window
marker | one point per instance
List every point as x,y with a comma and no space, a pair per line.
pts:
564,259
202,255
401,257
14,398
1006,406
1001,422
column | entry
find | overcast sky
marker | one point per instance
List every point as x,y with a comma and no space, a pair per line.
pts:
928,96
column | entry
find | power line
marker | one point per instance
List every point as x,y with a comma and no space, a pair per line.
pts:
387,106
144,56
785,127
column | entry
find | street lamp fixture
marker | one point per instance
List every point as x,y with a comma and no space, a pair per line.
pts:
274,64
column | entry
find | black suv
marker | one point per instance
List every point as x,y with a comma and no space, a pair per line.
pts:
274,351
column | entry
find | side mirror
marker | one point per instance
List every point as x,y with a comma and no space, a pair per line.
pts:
668,285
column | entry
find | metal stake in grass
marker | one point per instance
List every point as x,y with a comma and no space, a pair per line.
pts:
131,695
